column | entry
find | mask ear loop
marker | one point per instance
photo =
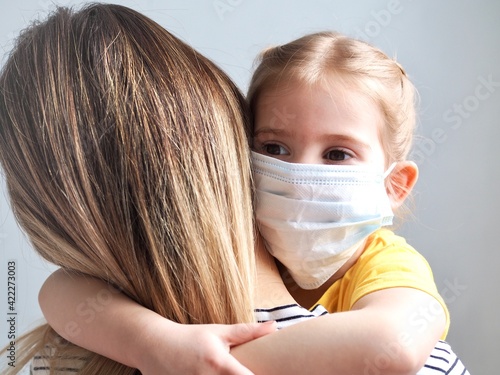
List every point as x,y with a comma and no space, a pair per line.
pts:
388,220
389,170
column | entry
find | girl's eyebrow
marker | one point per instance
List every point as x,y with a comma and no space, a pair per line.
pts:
273,131
348,139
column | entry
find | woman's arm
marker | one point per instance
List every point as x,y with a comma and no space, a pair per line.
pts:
94,315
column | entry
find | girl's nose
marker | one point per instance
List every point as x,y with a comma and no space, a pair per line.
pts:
307,157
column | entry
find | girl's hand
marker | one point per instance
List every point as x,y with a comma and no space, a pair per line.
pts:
127,332
198,349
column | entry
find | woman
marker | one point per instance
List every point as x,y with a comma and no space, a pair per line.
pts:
116,162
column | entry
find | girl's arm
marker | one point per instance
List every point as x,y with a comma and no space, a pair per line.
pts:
94,315
391,331
384,333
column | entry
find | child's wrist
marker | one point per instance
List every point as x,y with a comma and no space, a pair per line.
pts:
150,346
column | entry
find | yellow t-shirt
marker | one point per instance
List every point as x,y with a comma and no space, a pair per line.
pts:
387,262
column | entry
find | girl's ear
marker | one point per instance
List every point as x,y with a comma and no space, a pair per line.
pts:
401,181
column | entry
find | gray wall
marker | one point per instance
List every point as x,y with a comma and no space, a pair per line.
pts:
451,49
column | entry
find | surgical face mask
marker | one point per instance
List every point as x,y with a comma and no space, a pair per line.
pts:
313,217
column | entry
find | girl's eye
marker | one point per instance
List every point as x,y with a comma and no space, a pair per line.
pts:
337,155
274,149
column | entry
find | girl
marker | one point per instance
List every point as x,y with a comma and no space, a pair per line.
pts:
333,125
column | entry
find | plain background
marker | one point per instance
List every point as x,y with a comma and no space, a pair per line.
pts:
450,49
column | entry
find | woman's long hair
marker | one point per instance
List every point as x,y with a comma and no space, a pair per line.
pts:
125,157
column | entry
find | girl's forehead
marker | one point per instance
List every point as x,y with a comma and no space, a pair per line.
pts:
341,92
334,107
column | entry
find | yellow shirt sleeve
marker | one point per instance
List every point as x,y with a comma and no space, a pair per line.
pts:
387,262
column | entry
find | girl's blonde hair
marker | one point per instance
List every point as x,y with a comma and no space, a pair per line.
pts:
322,57
126,158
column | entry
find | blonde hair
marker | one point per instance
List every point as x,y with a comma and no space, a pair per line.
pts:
126,158
321,57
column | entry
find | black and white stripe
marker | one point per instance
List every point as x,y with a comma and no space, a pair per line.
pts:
40,365
288,314
443,361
